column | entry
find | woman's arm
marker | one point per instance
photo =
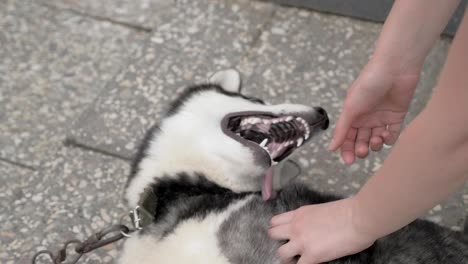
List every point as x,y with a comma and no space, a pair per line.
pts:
410,31
377,102
430,160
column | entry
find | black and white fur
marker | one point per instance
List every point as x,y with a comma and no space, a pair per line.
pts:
210,209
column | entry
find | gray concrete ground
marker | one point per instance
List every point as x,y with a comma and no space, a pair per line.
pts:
97,74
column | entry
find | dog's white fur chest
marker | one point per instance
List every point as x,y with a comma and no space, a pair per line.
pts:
193,241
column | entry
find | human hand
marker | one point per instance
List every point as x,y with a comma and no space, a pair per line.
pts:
319,233
374,110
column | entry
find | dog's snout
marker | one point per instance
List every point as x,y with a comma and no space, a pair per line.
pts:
323,116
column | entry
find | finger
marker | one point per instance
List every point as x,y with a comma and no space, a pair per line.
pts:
341,130
394,132
288,252
362,142
281,232
282,219
347,149
376,141
385,134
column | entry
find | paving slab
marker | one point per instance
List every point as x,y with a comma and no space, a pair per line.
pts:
203,36
54,63
312,58
141,14
74,195
12,180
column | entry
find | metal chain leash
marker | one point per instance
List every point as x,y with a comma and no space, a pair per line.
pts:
97,240
140,217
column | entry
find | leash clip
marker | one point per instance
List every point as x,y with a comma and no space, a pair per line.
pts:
136,219
145,211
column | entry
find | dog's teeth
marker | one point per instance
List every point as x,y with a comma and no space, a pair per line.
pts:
289,118
299,142
264,142
275,162
256,120
307,135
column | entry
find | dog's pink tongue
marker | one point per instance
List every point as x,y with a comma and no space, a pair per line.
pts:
267,185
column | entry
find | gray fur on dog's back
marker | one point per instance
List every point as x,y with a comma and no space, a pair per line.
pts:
422,242
243,237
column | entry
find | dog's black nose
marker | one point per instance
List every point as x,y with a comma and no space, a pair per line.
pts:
323,116
325,123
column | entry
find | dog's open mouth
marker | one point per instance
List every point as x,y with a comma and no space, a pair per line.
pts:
272,137
277,135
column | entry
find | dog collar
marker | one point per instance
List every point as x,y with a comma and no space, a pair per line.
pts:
145,211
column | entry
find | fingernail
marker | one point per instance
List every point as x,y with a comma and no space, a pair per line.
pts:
349,161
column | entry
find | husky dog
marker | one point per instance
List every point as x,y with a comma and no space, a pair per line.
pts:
213,170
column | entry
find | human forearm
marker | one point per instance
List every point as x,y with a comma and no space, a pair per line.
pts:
430,159
410,31
424,168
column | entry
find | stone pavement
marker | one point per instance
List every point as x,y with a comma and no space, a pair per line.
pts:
81,81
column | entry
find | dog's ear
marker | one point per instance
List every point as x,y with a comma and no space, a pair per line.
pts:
230,80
